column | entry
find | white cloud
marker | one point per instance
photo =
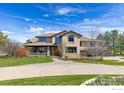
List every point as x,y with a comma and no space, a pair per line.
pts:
46,15
69,10
104,29
36,30
113,19
7,32
54,22
64,11
18,17
86,20
34,21
84,30
52,31
27,19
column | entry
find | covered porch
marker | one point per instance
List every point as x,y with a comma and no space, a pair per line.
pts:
42,50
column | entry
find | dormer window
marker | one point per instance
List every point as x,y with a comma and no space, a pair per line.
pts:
70,38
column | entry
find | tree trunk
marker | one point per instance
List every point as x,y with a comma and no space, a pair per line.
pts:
120,51
113,47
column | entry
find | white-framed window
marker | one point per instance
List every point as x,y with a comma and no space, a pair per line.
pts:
70,38
71,49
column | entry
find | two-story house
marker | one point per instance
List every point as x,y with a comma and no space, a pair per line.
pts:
69,43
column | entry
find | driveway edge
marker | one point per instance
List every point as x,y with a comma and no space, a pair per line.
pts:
88,81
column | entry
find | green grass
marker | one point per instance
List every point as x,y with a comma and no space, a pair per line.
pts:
106,62
50,80
16,61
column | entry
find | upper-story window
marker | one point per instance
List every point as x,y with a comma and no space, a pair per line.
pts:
57,40
92,43
70,38
84,43
42,39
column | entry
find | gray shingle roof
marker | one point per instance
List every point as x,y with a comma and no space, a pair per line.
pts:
39,44
46,35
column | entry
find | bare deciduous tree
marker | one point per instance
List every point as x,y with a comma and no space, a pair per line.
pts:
96,47
10,47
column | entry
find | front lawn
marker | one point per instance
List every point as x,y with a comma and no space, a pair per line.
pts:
16,61
106,62
50,80
68,80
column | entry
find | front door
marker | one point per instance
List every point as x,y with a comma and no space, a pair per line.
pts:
54,51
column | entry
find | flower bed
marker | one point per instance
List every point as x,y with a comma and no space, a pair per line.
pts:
107,80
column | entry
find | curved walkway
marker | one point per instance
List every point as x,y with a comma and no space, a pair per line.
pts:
58,67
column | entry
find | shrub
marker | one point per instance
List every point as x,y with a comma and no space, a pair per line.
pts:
108,80
56,51
65,58
22,52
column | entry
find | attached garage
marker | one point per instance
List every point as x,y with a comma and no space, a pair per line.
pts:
83,53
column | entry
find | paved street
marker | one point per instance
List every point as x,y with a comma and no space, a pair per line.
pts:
58,67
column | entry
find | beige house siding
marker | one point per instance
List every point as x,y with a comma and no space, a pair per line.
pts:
53,40
84,47
82,44
65,44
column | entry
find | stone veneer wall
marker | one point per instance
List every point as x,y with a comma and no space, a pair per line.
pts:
65,44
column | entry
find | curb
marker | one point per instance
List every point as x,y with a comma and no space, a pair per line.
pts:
88,81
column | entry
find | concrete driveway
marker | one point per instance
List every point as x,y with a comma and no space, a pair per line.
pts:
58,67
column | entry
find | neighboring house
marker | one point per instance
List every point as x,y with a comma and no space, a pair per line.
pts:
67,43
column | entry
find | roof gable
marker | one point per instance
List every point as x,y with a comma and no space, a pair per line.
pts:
60,34
71,32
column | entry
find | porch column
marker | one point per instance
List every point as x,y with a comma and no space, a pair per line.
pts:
48,50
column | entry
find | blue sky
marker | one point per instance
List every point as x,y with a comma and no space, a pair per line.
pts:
24,21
